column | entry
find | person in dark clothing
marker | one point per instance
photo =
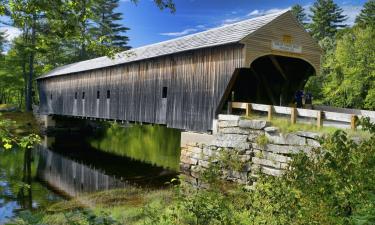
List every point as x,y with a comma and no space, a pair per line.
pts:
308,100
298,98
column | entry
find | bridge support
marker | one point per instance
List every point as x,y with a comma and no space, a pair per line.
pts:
49,121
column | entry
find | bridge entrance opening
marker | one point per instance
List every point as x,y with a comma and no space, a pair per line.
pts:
270,80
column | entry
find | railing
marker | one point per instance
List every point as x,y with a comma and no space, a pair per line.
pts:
296,112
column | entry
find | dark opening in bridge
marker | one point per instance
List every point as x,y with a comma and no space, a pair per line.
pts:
108,94
97,94
75,95
50,97
83,95
165,92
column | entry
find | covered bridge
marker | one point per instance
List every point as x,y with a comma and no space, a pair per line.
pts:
185,82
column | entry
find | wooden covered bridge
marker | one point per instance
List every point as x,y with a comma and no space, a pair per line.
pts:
184,83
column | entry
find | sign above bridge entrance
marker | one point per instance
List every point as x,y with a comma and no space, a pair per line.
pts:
286,47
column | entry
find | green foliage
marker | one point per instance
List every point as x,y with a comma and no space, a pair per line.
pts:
348,71
262,140
333,186
326,18
148,143
82,217
367,15
8,139
300,14
230,160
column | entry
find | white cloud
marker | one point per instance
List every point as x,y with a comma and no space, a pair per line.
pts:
351,11
10,32
231,20
254,13
181,33
260,12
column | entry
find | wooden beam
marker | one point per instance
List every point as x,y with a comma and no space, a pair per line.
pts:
319,119
266,86
353,122
278,66
229,109
269,117
227,91
293,116
248,109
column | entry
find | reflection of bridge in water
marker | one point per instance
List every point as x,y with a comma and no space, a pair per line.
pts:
74,175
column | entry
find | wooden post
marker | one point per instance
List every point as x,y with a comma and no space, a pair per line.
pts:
353,122
319,119
229,108
248,109
269,113
293,115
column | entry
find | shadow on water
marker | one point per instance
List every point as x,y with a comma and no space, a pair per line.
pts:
76,163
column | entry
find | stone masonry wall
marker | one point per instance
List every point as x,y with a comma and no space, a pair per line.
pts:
257,146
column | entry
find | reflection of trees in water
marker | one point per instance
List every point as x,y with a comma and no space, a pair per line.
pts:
149,143
25,197
18,170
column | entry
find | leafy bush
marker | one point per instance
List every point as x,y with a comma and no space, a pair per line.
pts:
336,185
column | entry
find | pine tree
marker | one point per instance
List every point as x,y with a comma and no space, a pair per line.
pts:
2,41
367,15
300,14
109,30
326,18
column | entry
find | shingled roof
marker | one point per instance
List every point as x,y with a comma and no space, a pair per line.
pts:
223,35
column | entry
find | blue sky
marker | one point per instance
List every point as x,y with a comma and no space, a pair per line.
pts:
149,25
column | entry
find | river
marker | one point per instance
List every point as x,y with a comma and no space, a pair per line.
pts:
66,165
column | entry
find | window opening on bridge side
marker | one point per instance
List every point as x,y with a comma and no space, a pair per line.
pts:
97,94
83,95
75,95
50,96
165,92
108,94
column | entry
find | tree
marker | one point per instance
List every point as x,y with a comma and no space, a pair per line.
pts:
300,14
58,32
109,26
326,18
349,70
367,15
2,41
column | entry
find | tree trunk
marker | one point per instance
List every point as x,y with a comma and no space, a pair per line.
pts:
29,98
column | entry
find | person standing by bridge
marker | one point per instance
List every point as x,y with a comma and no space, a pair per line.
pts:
298,98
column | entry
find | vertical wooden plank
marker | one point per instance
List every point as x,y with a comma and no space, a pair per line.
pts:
269,112
319,119
293,115
248,109
229,108
353,122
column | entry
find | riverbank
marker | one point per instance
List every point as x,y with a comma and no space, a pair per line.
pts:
24,122
336,186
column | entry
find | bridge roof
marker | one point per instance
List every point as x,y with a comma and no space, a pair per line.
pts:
232,33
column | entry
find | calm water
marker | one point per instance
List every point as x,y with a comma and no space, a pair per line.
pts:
68,165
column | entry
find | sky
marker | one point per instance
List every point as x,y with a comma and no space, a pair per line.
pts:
148,24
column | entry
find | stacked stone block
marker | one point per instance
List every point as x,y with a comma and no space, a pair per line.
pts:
240,136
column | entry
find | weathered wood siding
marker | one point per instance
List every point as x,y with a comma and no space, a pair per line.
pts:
259,43
195,80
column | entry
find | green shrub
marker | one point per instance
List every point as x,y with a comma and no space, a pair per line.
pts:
262,140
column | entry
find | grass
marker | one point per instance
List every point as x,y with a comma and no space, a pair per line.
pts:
6,106
124,205
285,126
25,122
